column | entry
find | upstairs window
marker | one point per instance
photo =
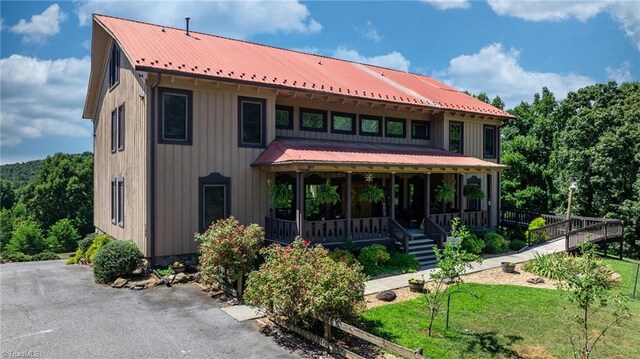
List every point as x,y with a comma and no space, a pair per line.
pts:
121,202
490,141
175,116
114,131
284,117
343,123
313,120
455,137
370,125
121,128
395,127
251,118
420,130
114,66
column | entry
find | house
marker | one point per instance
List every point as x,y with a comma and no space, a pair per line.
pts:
192,127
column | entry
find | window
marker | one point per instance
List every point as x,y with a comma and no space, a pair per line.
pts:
490,141
473,204
343,123
370,125
114,130
251,117
175,116
121,202
121,128
455,137
114,66
419,130
214,199
114,200
313,120
284,117
394,127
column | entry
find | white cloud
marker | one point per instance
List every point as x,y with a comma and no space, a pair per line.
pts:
42,98
393,60
370,32
239,19
41,25
496,71
627,14
620,74
449,4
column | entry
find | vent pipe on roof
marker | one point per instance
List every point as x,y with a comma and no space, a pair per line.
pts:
186,18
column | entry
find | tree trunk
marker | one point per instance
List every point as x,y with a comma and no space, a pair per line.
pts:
327,330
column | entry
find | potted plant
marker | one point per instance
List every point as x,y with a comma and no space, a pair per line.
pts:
281,195
178,267
473,191
371,193
445,194
327,194
416,285
508,267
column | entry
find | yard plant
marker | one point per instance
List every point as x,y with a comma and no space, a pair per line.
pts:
116,259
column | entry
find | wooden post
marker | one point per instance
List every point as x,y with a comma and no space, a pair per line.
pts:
299,201
405,191
393,195
428,197
461,199
348,204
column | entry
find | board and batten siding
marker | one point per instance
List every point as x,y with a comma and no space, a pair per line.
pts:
131,163
214,149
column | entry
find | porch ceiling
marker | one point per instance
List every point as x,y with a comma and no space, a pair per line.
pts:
296,154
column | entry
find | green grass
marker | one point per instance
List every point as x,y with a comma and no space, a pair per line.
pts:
504,321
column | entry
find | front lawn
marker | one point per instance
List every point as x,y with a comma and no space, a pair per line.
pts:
504,321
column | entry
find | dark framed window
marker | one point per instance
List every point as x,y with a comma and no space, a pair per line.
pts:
313,120
420,130
215,194
175,116
370,125
456,135
284,117
395,127
343,123
490,141
251,121
121,202
114,131
114,200
121,128
114,66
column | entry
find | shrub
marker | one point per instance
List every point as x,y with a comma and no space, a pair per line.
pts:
495,243
404,262
228,248
65,234
300,283
513,234
45,256
27,238
472,244
116,259
536,237
374,255
342,255
516,245
552,266
98,243
87,241
75,258
10,256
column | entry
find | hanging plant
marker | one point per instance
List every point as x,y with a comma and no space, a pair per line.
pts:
473,191
327,194
371,193
281,195
445,193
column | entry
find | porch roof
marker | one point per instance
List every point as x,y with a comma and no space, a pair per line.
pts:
288,154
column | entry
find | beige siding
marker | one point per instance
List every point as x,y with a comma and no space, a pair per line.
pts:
130,163
214,149
473,134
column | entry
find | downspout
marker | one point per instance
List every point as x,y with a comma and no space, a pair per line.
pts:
151,178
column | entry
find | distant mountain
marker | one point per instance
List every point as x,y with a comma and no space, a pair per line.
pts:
19,174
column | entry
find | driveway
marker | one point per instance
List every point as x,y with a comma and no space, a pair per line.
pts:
56,311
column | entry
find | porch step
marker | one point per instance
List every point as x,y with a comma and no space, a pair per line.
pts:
421,248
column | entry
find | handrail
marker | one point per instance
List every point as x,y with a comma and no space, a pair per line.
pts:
544,233
594,233
400,233
434,231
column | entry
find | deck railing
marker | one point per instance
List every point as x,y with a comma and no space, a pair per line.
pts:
280,230
548,232
594,233
330,230
471,219
399,234
374,227
435,232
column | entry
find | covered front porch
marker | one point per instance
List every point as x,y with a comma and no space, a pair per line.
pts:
407,192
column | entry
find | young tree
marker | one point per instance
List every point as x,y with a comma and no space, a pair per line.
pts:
63,236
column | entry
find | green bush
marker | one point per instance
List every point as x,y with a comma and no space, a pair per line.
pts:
27,238
342,255
116,259
374,255
537,237
472,244
300,283
516,245
65,234
551,266
45,256
10,256
87,241
404,262
513,234
495,243
98,243
75,258
6,227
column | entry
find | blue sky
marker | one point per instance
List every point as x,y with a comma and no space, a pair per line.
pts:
506,48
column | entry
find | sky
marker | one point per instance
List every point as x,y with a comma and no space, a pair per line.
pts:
500,47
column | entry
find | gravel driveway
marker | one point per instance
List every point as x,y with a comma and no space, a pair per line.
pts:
49,310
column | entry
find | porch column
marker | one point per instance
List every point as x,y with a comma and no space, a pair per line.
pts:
405,191
427,188
393,195
348,212
461,198
299,201
494,198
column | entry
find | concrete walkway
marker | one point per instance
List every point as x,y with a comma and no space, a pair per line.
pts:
398,281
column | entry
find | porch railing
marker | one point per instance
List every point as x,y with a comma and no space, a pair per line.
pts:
331,230
434,231
374,227
472,219
399,234
280,230
545,233
443,219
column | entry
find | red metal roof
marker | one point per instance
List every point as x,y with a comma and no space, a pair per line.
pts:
292,151
158,48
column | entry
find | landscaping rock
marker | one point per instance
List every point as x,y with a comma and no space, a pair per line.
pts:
536,280
180,278
119,283
447,281
386,296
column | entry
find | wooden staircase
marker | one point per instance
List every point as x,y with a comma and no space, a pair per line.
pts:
421,248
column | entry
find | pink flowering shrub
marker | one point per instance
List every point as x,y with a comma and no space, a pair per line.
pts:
228,249
301,283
